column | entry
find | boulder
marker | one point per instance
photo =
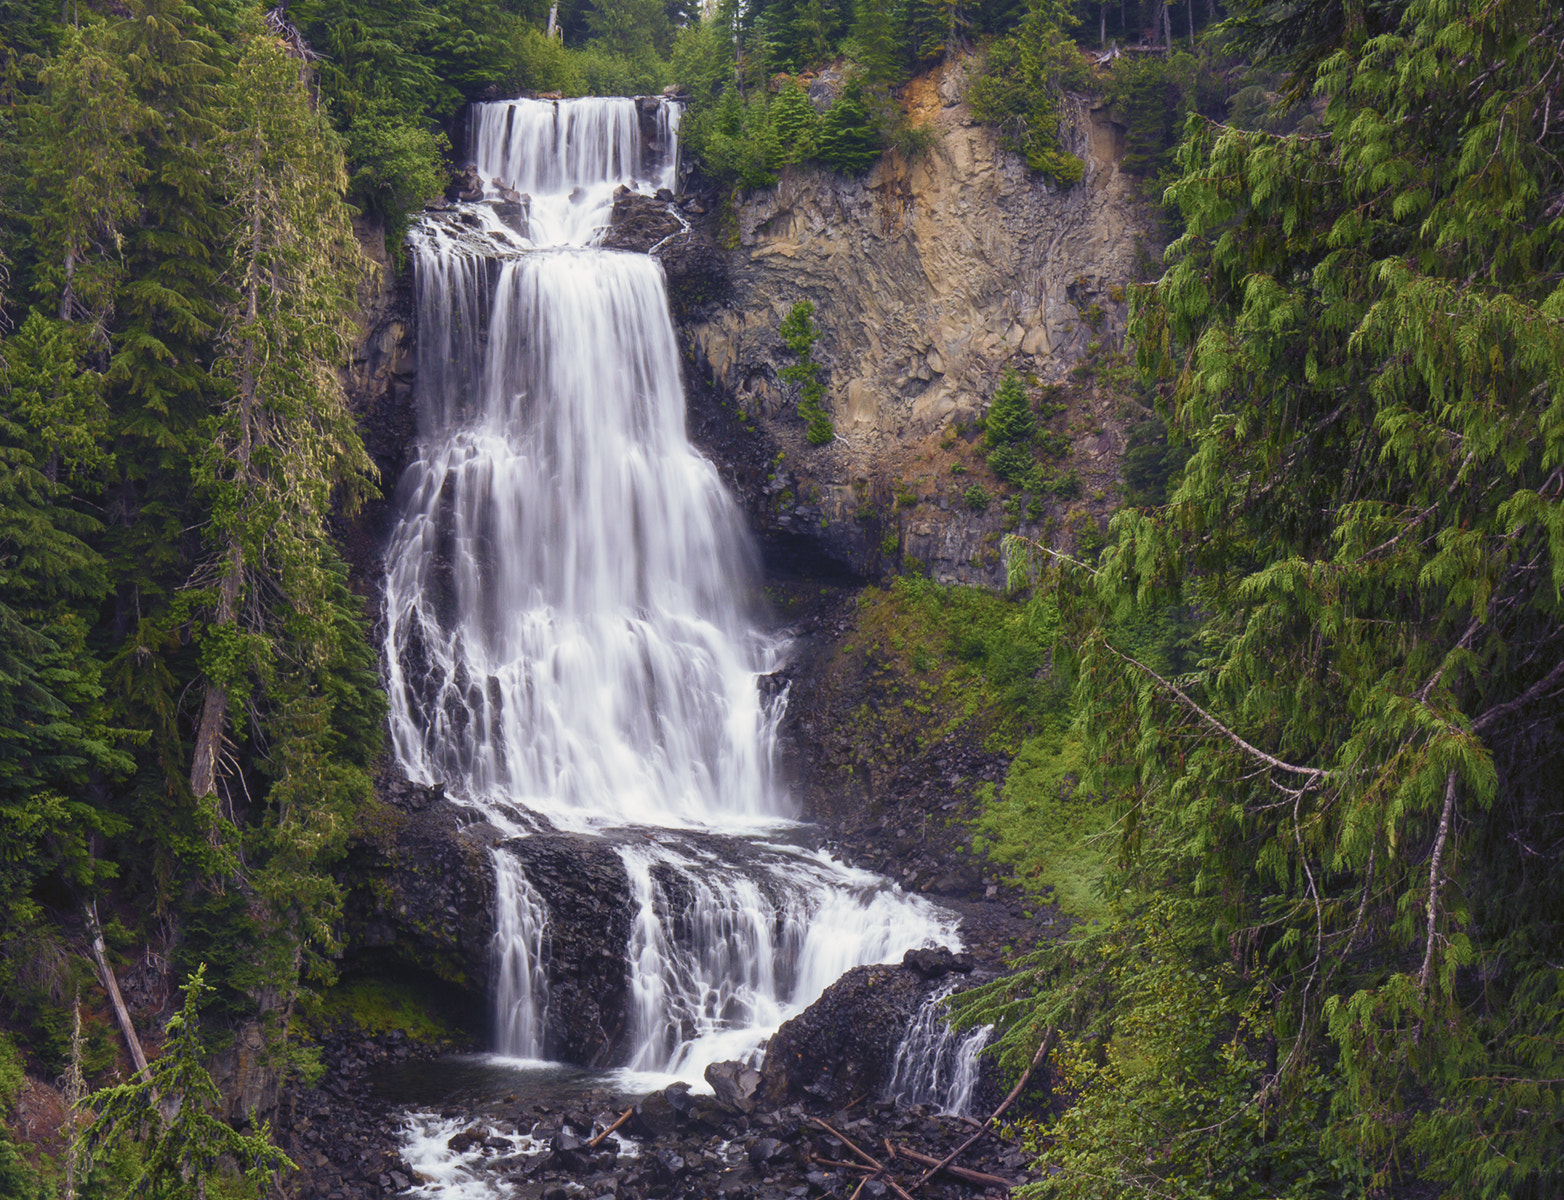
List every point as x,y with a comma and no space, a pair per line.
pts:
843,1046
734,1085
639,222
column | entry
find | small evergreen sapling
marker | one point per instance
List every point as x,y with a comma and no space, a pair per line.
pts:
175,1111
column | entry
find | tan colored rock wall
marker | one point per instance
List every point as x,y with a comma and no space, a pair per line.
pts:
928,278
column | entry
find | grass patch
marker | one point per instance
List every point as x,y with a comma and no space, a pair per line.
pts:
379,1006
1045,827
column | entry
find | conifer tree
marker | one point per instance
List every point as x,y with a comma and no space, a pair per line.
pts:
879,51
85,162
282,452
848,138
188,1143
794,122
1349,812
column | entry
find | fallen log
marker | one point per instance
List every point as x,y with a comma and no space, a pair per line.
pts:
964,1173
623,1117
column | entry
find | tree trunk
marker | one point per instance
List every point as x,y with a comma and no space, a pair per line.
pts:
214,705
1102,25
1190,8
111,986
553,19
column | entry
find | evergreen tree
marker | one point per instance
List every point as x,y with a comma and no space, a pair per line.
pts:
1351,806
1007,431
848,139
1009,417
84,134
879,50
794,121
1021,89
53,735
283,450
189,1143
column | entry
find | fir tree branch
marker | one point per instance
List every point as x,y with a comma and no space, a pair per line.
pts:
1311,775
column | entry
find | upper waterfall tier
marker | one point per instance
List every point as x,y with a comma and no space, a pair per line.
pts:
562,160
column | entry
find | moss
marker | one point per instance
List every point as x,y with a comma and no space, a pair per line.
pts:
379,1006
1045,828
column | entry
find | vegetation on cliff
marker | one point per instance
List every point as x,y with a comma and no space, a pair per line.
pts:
1336,965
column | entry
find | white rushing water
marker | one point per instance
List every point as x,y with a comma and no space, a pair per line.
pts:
568,640
936,1065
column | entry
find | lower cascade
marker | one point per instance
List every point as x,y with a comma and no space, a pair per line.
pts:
935,1064
569,647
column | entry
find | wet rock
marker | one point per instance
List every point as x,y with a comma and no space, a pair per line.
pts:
733,1085
639,222
763,1150
584,883
655,1117
842,1047
466,185
937,962
425,898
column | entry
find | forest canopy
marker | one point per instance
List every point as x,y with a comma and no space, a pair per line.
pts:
1332,960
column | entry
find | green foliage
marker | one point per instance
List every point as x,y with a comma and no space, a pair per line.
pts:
799,333
174,1114
1021,89
795,122
378,1006
398,164
976,498
1337,821
849,138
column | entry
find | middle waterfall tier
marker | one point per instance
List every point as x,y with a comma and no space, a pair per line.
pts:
570,642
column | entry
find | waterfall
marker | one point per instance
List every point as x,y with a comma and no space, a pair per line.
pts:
569,643
935,1065
520,941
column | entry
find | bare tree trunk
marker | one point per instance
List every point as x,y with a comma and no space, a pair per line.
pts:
1167,26
111,986
553,19
1102,25
75,1089
1191,11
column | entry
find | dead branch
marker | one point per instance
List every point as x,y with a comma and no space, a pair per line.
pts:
865,1155
1311,775
1435,881
623,1117
1042,1053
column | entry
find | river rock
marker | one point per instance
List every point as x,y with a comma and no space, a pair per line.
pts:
843,1046
734,1085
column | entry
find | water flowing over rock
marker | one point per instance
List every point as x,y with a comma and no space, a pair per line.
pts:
570,642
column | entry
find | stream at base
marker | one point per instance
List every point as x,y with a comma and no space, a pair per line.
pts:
571,641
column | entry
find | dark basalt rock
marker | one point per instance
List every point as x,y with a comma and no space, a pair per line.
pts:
936,962
843,1045
423,895
583,881
639,222
734,1085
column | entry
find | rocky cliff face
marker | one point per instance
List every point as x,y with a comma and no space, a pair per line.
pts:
928,277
